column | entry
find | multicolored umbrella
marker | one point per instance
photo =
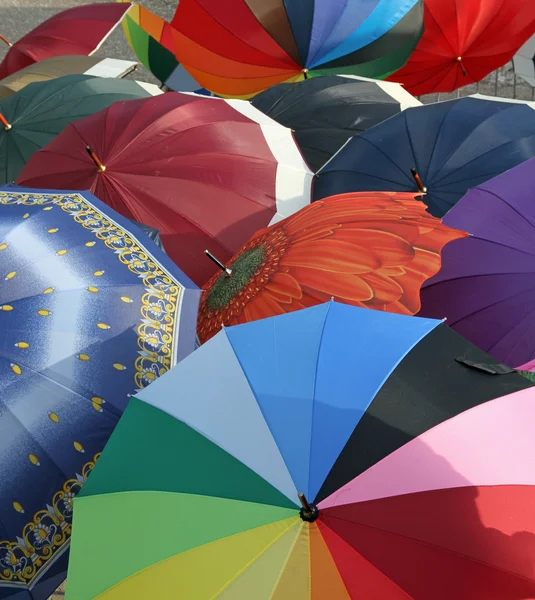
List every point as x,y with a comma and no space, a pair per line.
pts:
465,41
78,30
486,286
35,115
91,311
371,250
150,38
324,112
52,68
321,454
440,150
241,47
208,173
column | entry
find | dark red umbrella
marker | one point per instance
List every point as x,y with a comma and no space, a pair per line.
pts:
79,30
464,41
206,172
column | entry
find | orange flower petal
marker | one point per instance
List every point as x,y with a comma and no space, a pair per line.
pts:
425,262
390,249
385,290
285,285
263,305
331,256
341,285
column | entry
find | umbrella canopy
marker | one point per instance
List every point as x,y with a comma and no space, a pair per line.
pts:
340,404
524,62
33,117
52,68
91,311
449,147
150,38
152,233
78,30
325,112
486,286
208,173
465,41
370,250
245,46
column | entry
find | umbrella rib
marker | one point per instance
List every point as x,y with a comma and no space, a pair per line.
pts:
439,131
439,548
521,320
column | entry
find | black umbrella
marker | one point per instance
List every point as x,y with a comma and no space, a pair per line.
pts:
325,112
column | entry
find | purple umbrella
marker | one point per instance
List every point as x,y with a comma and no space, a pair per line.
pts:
486,286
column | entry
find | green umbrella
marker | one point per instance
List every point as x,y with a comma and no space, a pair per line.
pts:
34,116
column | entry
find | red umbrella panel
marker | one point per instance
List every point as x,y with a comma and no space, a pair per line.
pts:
206,172
80,30
370,249
464,41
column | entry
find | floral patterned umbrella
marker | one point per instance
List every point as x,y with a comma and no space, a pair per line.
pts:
372,250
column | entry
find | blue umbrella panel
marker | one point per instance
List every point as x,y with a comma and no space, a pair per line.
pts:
91,312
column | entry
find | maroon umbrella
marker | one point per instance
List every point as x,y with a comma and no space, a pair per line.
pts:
486,286
79,30
206,172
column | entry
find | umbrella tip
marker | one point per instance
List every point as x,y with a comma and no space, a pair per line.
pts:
308,512
100,167
225,269
5,123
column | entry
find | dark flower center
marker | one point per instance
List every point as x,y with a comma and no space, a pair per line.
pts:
243,268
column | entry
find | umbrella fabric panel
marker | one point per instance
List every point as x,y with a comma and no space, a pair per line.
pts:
324,112
453,145
524,62
78,30
336,406
432,383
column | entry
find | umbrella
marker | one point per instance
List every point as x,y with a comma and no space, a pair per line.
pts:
34,116
152,233
206,172
78,30
52,68
524,62
150,38
465,41
440,150
325,112
486,286
320,402
91,311
370,250
242,47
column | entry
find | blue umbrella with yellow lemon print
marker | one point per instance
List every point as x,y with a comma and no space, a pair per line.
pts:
91,312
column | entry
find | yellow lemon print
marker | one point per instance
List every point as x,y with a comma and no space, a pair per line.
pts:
3,246
103,326
53,417
98,273
97,407
18,507
53,230
126,299
98,400
6,307
48,208
82,357
61,252
44,313
92,289
22,345
78,447
119,367
48,290
10,275
25,216
16,369
34,460
90,244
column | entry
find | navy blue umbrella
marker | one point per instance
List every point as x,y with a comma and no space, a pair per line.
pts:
441,150
91,311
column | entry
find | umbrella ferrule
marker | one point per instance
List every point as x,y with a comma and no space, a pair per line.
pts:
421,187
5,40
218,263
308,512
5,123
460,61
100,167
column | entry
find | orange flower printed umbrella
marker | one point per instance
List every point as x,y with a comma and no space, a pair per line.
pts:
369,249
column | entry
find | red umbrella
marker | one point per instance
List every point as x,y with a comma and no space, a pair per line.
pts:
79,30
464,41
206,172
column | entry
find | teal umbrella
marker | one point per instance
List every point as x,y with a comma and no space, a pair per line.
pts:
35,115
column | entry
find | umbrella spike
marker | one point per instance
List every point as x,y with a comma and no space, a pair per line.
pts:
5,40
218,263
308,513
5,122
460,61
421,187
101,168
